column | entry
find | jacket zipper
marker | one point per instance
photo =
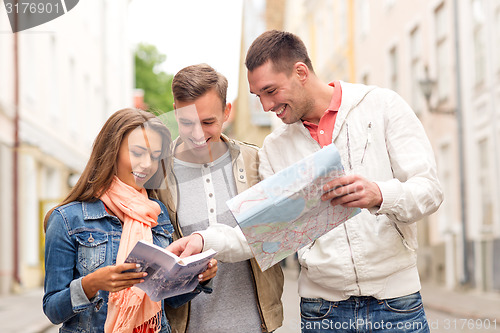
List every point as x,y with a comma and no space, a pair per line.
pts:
368,140
352,259
403,238
345,228
348,147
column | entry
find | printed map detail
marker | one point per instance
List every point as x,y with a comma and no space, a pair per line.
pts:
284,212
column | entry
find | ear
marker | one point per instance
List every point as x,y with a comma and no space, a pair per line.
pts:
227,111
175,110
301,71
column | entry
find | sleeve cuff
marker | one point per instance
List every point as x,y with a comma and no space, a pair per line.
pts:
390,193
79,300
210,240
206,288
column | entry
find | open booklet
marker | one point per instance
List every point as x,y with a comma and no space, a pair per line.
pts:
284,212
168,274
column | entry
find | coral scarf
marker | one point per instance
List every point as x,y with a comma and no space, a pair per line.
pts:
131,310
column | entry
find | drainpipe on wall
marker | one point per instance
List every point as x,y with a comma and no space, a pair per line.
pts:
15,183
461,164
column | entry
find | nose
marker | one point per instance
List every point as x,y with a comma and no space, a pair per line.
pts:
267,104
146,161
198,131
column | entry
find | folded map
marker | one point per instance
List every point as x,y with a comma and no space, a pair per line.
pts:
284,212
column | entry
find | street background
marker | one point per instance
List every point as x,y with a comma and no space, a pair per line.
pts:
446,311
59,82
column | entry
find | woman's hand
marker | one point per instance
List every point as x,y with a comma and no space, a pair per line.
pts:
210,272
112,278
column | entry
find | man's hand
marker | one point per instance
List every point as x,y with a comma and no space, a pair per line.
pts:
186,246
352,191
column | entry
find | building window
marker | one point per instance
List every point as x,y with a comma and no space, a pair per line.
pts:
344,26
54,83
365,79
442,53
446,211
478,15
254,21
497,38
485,184
389,3
72,119
415,70
29,70
341,23
393,68
364,19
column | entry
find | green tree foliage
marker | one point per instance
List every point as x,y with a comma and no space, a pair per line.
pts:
157,85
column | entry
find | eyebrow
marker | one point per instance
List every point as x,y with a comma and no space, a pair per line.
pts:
266,87
208,119
145,148
201,120
262,89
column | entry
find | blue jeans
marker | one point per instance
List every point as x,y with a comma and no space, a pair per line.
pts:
364,314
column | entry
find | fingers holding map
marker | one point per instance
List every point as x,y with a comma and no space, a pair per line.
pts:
284,212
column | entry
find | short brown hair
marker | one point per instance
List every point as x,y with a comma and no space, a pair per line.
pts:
194,81
282,48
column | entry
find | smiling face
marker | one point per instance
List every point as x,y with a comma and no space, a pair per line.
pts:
200,128
139,156
281,93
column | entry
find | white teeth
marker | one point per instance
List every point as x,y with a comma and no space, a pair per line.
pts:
280,111
199,143
139,175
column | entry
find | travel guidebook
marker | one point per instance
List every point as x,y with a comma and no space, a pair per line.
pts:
168,275
284,212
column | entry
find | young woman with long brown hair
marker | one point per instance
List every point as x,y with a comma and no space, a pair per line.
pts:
89,235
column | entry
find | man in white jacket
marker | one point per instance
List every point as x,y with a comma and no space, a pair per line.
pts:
361,276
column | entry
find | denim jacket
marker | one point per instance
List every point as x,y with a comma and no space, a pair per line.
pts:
82,237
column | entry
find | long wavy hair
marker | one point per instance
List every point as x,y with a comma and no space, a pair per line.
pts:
102,165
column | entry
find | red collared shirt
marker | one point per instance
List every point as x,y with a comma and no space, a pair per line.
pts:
323,132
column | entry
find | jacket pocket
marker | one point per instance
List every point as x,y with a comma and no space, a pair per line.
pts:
407,235
404,304
162,234
324,263
91,249
316,308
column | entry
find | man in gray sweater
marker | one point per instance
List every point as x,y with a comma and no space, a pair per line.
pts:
206,170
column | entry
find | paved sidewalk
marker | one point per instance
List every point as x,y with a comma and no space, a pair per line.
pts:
467,304
22,313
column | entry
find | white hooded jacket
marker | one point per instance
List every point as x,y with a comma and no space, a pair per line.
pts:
374,253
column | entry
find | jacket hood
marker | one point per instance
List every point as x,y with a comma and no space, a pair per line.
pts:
357,92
